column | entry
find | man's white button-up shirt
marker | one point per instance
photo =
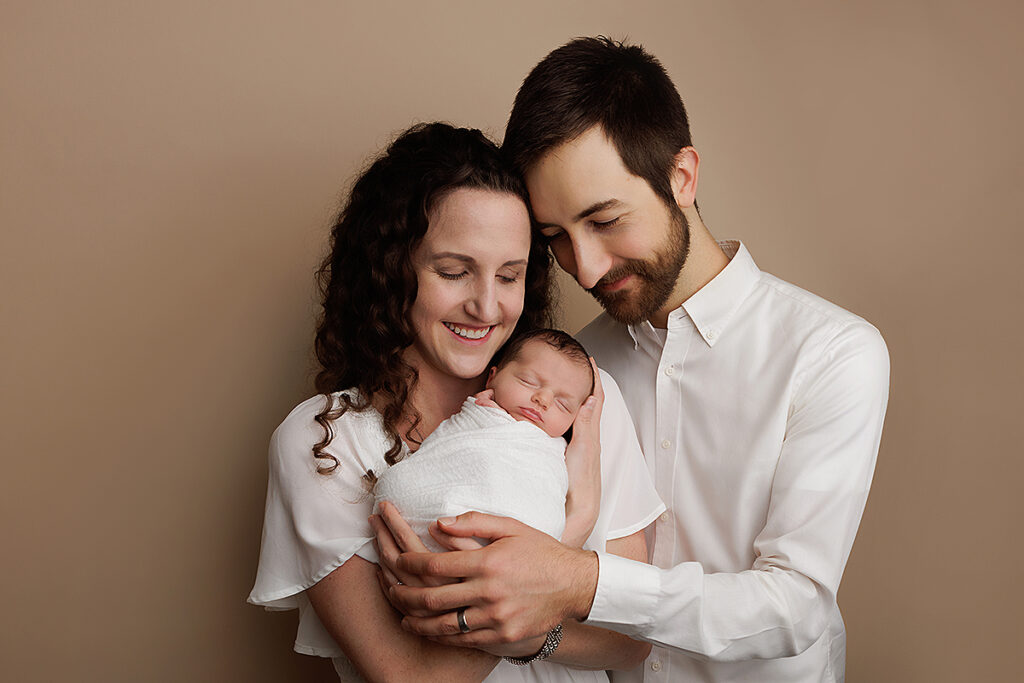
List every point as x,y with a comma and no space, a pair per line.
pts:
760,411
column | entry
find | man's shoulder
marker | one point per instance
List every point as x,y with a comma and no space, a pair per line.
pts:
807,311
817,333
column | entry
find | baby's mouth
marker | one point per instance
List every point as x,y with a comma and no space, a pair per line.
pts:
532,414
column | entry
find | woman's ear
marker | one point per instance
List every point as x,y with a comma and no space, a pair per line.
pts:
683,177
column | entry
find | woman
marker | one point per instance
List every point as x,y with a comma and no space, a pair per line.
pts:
432,268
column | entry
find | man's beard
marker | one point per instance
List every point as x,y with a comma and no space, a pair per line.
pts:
655,278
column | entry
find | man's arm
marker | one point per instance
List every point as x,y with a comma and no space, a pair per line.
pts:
589,647
777,608
522,584
583,646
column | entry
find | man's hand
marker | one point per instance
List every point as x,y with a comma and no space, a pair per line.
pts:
518,587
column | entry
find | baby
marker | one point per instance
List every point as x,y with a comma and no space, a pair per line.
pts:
543,377
503,452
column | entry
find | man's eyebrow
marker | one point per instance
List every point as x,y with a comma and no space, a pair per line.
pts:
469,259
599,206
590,210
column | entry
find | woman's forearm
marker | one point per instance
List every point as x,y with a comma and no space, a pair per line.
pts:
580,517
588,647
352,608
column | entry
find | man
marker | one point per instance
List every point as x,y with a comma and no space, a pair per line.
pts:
758,405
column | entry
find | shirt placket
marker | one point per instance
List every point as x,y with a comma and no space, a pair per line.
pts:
668,412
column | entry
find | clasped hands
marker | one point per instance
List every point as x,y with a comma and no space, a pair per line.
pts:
513,590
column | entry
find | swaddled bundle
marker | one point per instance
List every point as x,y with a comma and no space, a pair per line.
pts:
480,459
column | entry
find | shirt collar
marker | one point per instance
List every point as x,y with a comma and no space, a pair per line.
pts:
712,307
642,328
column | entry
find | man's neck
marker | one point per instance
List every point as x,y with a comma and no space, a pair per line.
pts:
704,261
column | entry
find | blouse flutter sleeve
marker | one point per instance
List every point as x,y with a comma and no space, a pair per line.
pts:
629,501
313,522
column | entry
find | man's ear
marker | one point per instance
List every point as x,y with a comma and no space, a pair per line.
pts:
683,177
490,376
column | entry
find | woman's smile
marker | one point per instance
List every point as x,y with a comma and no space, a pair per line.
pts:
469,332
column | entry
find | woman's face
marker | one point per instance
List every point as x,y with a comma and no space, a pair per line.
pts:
471,271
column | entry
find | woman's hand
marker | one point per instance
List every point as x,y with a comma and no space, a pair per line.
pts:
583,461
393,537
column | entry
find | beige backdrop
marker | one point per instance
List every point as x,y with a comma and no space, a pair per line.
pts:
167,174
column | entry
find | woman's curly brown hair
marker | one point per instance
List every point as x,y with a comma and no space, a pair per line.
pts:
367,283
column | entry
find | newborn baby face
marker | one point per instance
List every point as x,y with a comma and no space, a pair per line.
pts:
543,386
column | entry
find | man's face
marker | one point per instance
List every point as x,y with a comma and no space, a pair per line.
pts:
608,229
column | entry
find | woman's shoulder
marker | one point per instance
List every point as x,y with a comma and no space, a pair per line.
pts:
355,434
614,403
304,416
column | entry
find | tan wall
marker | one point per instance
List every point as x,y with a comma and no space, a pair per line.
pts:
166,177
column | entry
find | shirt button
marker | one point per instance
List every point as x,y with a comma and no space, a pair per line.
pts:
665,443
655,665
665,516
711,334
670,370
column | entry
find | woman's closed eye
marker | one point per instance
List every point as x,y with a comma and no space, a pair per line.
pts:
510,277
449,275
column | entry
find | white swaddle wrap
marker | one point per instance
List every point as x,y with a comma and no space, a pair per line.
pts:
480,459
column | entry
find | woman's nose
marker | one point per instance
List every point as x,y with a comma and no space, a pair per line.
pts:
484,303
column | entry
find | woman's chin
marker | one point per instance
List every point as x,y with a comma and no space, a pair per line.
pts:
470,373
461,370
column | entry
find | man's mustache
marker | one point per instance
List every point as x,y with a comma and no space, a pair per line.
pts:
637,268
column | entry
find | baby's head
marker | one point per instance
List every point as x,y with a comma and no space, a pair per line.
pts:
543,377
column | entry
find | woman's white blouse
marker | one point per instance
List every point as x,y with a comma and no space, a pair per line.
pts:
313,523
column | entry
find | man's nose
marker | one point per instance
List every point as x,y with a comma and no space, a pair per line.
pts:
590,258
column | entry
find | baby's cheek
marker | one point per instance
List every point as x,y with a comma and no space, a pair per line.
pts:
563,426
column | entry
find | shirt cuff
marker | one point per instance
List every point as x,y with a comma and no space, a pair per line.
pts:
626,596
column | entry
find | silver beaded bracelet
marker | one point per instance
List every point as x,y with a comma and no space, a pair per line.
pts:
550,645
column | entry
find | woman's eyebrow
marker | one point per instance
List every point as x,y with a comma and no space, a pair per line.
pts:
452,255
469,259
